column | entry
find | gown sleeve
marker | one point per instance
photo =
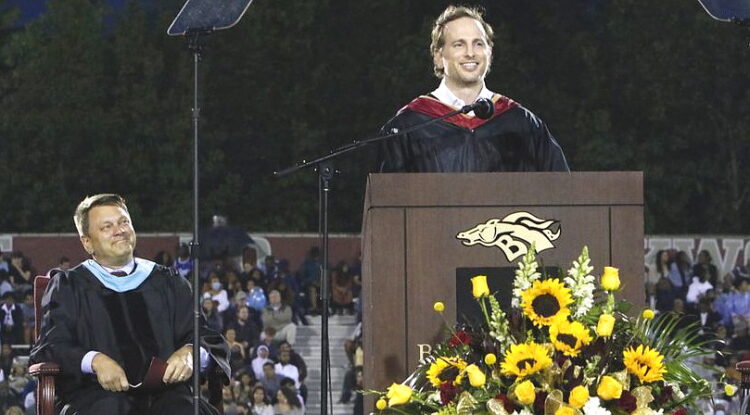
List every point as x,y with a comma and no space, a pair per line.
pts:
58,327
549,154
391,157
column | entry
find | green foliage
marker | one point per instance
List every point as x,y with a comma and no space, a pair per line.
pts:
95,100
682,345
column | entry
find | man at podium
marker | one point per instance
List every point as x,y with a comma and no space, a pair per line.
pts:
512,138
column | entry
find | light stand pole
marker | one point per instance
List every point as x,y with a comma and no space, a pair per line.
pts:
199,18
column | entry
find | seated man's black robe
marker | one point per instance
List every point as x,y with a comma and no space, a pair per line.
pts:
513,139
153,320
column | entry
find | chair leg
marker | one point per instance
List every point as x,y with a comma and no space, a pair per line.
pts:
45,395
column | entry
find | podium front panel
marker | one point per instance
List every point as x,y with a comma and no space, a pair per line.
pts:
411,252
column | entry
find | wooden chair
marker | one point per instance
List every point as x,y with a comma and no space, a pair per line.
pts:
46,372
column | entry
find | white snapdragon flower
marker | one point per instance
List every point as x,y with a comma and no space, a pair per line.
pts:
525,275
581,283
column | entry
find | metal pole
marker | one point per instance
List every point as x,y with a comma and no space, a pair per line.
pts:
326,172
195,47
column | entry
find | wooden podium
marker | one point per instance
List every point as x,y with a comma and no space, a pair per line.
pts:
412,256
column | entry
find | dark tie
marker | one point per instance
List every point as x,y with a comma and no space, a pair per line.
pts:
119,273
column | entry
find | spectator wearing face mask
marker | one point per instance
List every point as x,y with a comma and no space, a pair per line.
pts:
218,293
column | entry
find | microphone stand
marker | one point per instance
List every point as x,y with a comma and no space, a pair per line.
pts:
326,171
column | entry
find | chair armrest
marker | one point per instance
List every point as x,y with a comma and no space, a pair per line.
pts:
44,369
744,368
45,373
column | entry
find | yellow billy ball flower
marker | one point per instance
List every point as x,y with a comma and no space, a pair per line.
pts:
609,388
565,410
611,278
490,359
578,396
606,325
381,404
476,376
525,392
398,394
730,390
648,314
439,307
479,287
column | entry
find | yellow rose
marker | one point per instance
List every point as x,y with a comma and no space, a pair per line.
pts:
476,376
381,404
490,359
479,286
609,388
611,278
606,325
730,390
578,396
525,393
565,410
439,307
398,394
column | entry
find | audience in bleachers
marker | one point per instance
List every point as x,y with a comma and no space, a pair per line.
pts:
16,328
719,305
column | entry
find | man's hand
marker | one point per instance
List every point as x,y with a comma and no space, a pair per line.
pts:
109,373
179,365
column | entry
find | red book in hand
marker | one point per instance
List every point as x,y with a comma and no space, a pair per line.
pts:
154,375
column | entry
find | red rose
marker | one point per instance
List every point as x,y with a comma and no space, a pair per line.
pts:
541,397
627,402
664,396
680,411
448,391
507,404
460,338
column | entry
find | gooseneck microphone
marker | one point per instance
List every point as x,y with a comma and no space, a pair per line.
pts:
483,108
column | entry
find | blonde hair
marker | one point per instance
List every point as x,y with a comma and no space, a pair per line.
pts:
450,14
81,215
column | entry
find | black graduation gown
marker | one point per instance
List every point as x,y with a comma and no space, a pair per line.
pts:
80,315
513,139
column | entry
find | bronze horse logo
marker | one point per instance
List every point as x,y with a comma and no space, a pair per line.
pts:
513,234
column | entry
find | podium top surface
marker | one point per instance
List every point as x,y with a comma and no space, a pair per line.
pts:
504,189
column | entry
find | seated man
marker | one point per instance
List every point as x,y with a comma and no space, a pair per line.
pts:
278,316
105,319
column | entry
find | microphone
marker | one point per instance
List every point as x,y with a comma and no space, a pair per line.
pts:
483,108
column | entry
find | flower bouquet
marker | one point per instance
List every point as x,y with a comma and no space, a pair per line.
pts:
566,347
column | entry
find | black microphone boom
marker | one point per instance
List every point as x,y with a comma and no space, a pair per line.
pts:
483,108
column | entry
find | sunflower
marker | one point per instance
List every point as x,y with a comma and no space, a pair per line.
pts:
644,362
546,301
525,359
569,337
445,369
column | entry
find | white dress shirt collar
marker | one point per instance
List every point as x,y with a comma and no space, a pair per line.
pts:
128,268
446,96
